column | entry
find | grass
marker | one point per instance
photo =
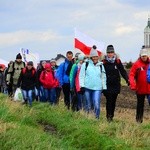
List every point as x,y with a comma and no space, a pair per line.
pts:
45,127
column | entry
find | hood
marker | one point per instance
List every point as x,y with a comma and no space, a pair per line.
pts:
47,66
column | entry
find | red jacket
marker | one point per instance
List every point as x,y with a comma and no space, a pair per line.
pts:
47,77
138,77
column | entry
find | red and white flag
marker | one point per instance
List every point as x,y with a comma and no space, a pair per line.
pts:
85,43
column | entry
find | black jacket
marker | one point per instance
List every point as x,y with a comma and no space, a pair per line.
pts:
38,73
113,71
2,78
27,79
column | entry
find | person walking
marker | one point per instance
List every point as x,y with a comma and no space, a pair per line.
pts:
9,86
3,86
78,100
27,82
138,82
58,88
49,83
40,88
62,74
14,72
114,69
92,79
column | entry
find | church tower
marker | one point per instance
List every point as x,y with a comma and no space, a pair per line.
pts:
147,34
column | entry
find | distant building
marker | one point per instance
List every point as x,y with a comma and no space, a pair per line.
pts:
59,59
147,36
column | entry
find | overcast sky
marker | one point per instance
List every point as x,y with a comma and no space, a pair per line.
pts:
47,26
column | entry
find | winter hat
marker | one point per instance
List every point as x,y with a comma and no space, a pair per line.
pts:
52,60
110,48
30,63
81,57
47,66
144,52
93,51
19,56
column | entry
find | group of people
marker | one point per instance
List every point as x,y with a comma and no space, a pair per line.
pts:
82,79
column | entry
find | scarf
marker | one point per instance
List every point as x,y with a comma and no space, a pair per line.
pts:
111,60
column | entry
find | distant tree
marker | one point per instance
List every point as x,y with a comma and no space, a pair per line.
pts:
129,65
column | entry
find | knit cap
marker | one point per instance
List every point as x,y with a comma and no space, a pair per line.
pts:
19,56
110,48
144,52
30,63
93,51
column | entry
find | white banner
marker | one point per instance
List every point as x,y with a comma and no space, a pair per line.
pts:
28,56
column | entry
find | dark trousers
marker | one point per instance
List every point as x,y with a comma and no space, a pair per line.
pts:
9,88
66,91
74,101
140,107
110,104
58,92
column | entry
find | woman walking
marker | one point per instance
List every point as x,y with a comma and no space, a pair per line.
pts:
92,80
113,68
27,82
49,83
138,82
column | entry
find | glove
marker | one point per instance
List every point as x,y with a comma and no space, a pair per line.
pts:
82,90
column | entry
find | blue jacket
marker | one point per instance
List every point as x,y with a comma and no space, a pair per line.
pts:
61,73
93,77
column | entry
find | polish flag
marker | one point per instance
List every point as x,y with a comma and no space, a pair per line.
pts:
84,43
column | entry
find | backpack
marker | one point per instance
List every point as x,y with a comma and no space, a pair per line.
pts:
148,74
24,71
13,66
13,72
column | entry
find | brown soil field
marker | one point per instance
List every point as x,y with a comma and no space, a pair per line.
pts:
126,105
